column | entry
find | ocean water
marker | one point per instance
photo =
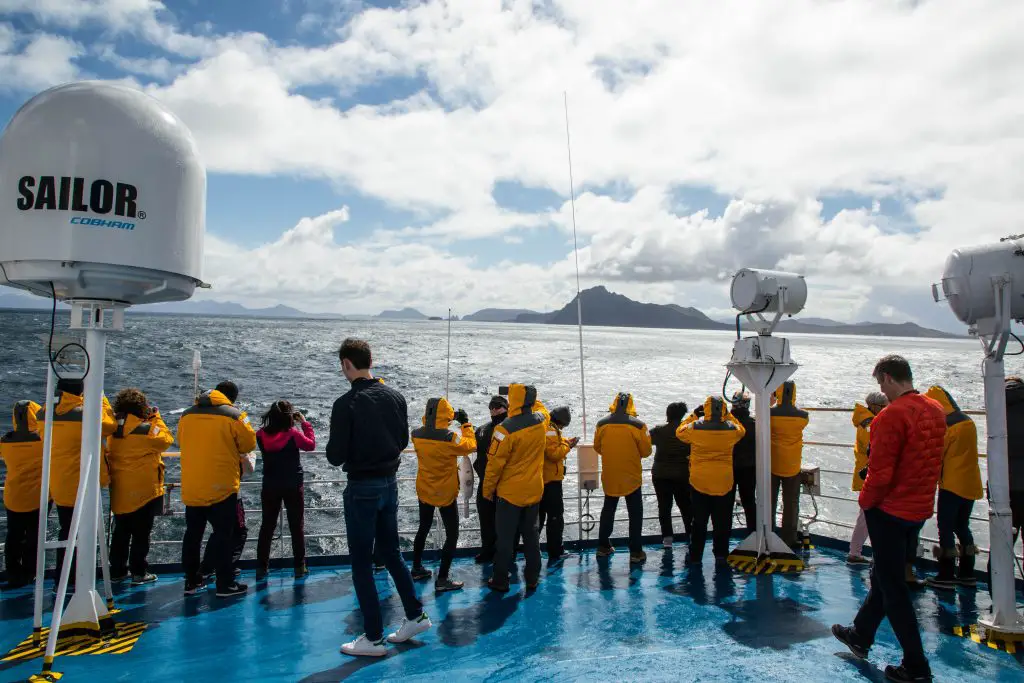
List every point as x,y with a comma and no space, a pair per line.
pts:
297,360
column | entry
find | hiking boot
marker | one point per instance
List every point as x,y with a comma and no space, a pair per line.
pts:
910,576
410,628
638,557
421,573
192,588
946,578
848,637
261,573
965,572
901,675
379,567
857,560
232,591
532,585
363,647
142,579
605,550
666,542
446,585
497,587
301,572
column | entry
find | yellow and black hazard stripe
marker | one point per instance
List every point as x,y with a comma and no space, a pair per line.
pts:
972,632
120,641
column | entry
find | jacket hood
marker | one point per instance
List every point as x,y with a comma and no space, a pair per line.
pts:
277,440
1014,391
521,399
561,416
68,402
786,394
939,394
623,403
861,413
23,416
438,414
213,398
128,423
714,409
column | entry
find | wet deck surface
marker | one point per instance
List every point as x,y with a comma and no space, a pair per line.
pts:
590,619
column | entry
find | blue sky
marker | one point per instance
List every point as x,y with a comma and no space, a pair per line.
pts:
826,141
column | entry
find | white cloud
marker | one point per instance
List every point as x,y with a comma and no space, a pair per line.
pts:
774,105
44,60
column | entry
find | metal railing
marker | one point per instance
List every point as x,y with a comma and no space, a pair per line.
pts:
584,523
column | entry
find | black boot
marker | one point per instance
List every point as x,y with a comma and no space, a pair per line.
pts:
946,578
965,575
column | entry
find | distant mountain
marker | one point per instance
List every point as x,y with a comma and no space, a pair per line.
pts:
822,322
498,315
601,307
866,329
190,307
404,314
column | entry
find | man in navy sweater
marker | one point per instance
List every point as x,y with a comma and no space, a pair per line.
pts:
369,431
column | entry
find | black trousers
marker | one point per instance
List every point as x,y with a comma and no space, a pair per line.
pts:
552,513
889,596
635,509
64,514
271,500
129,544
719,510
20,546
485,510
450,519
746,486
668,490
509,521
237,543
223,517
790,508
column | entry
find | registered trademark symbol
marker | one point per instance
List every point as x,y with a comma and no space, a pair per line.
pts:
142,215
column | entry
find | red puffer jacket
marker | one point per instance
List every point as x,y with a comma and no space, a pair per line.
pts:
907,440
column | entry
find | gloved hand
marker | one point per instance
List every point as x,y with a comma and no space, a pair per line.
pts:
863,474
699,411
461,416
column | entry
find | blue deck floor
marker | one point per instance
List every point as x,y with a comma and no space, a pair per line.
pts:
590,619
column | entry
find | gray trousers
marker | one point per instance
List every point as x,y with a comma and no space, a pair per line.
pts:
790,508
510,520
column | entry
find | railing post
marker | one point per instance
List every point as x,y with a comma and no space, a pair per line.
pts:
280,532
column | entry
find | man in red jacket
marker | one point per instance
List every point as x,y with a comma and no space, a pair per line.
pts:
898,496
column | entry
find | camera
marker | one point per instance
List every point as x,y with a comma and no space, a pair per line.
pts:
503,391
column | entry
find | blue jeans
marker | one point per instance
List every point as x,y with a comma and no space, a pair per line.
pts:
371,513
954,520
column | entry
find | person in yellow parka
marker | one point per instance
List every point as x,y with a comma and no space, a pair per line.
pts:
712,432
862,417
437,484
66,455
552,506
22,452
213,436
136,483
514,480
788,424
622,441
959,487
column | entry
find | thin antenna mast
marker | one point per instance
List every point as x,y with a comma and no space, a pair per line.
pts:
576,255
448,365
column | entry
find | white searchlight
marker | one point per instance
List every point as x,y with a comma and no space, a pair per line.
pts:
984,286
763,362
102,204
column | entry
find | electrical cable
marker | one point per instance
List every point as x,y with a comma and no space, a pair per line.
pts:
742,313
52,357
1018,340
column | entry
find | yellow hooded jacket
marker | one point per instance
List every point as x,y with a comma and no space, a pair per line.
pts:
960,472
212,436
622,441
22,453
515,460
711,440
134,458
66,449
788,423
556,449
438,451
862,418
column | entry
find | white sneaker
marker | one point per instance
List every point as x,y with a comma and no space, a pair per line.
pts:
666,542
363,647
410,628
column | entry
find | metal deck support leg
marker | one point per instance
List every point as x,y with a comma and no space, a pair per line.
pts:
44,499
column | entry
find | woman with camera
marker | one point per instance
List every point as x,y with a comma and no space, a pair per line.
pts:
283,433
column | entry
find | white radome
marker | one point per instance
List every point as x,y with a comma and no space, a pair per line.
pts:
102,194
